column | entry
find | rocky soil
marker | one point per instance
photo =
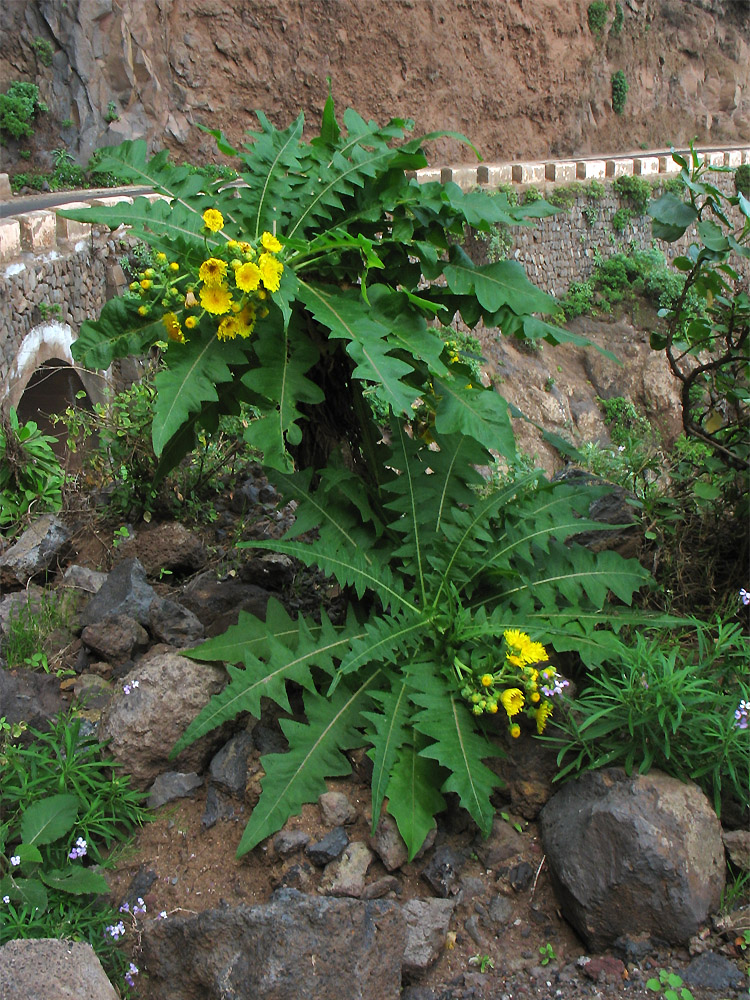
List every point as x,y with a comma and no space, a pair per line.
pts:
479,900
523,79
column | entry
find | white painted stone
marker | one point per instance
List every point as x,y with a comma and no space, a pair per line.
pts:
644,166
427,174
589,170
668,166
528,173
67,229
10,239
620,168
733,158
560,171
114,199
12,269
715,159
38,230
6,192
465,177
494,174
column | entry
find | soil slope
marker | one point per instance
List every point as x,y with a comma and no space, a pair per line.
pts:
521,78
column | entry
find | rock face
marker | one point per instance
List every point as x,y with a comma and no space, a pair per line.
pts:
633,854
542,76
296,947
65,970
146,719
35,552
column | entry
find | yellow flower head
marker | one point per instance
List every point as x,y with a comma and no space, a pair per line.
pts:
143,310
247,277
191,322
492,707
535,696
512,700
515,730
213,220
216,299
246,321
515,639
247,248
161,257
535,652
269,242
542,714
134,286
146,284
212,271
487,680
174,330
515,661
227,328
270,271
174,266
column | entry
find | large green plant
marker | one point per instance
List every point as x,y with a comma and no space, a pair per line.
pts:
709,353
31,477
313,286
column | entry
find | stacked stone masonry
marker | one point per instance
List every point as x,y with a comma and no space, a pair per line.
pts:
48,262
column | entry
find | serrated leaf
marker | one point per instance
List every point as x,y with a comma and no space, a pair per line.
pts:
316,752
190,382
495,285
48,819
388,731
250,634
477,413
413,796
459,748
76,880
289,660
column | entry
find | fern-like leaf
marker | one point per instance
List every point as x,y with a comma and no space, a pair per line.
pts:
258,679
413,796
316,752
389,729
457,746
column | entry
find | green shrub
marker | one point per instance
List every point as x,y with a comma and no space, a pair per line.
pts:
62,807
111,114
669,705
30,473
531,194
621,218
598,12
28,627
499,241
620,89
579,300
618,21
18,107
636,190
742,180
44,51
566,195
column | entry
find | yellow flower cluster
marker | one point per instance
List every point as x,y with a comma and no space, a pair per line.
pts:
519,683
231,285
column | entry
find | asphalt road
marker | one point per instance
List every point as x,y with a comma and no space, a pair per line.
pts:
34,202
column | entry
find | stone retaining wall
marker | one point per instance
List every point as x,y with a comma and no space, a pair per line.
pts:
55,269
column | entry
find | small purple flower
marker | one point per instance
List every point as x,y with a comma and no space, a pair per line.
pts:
744,596
125,908
557,686
742,714
132,971
139,908
15,860
127,688
162,915
115,931
80,850
6,899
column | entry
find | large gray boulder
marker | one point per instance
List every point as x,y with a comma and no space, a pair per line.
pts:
156,702
48,969
37,551
630,855
296,947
